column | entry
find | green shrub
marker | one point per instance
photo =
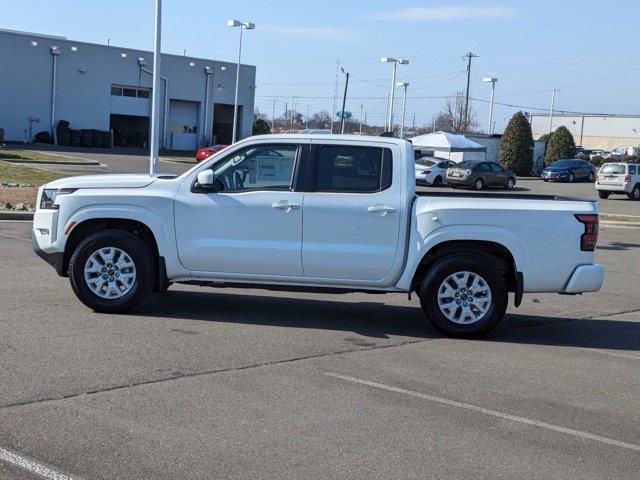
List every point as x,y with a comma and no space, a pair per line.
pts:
516,148
597,160
560,145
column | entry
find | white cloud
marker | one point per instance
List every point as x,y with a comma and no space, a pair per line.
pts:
448,13
317,32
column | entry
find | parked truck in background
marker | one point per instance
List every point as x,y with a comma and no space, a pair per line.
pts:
319,213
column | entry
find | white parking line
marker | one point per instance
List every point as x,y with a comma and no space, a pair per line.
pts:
33,467
486,411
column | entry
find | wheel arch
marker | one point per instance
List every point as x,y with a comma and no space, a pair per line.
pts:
83,229
485,248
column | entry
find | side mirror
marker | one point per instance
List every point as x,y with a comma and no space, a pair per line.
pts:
206,178
205,182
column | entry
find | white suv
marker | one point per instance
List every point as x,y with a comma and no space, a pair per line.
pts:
623,178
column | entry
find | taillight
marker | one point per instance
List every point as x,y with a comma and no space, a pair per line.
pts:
597,178
589,238
627,179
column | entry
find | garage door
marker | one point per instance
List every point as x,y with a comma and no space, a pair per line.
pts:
183,124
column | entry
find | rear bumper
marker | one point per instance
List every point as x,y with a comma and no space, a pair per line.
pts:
585,278
625,188
463,182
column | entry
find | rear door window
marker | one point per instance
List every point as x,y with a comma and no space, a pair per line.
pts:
351,169
632,169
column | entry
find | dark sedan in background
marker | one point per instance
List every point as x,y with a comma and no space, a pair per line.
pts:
569,170
479,175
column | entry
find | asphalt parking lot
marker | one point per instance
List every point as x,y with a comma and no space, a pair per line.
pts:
204,383
121,160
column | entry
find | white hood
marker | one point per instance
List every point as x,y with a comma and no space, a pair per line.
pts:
104,181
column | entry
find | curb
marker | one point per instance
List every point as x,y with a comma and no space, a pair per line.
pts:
620,219
38,162
25,216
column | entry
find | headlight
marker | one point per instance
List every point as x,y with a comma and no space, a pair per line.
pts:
49,195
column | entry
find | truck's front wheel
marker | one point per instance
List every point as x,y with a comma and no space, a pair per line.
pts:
111,271
464,295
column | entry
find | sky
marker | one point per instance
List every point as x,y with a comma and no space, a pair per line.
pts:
587,49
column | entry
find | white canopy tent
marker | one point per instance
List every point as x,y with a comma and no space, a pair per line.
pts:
450,146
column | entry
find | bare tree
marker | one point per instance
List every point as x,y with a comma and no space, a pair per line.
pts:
452,118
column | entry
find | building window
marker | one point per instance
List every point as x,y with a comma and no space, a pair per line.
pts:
117,91
143,93
129,92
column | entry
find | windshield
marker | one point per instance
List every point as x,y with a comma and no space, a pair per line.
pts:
613,168
562,163
425,161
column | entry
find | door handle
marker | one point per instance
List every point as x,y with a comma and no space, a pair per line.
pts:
285,205
381,209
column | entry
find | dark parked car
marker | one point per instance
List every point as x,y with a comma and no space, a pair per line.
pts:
479,175
568,170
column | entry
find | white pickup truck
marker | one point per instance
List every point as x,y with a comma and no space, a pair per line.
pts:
317,213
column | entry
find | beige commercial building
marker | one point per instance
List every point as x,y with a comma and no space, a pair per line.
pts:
601,132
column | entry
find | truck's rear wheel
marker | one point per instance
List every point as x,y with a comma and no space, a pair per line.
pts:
464,295
602,194
111,271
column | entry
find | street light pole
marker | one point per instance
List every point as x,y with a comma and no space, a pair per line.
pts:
493,91
553,103
395,62
243,26
404,106
154,141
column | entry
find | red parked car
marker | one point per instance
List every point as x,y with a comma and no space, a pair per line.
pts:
206,152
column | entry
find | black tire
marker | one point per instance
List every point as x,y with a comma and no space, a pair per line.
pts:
135,248
478,184
592,177
437,182
510,183
458,262
571,177
635,193
602,194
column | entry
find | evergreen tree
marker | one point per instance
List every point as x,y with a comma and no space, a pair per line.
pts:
516,148
560,145
261,126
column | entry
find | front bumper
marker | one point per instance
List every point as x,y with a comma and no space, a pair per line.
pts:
56,260
586,278
555,177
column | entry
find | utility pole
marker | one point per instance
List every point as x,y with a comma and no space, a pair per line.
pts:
293,108
335,94
413,126
365,118
344,101
286,115
273,117
306,124
469,56
553,104
360,129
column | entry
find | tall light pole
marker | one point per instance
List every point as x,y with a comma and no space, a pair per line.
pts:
493,91
553,104
395,62
154,141
243,26
404,106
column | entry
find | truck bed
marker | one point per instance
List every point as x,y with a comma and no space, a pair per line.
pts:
512,196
